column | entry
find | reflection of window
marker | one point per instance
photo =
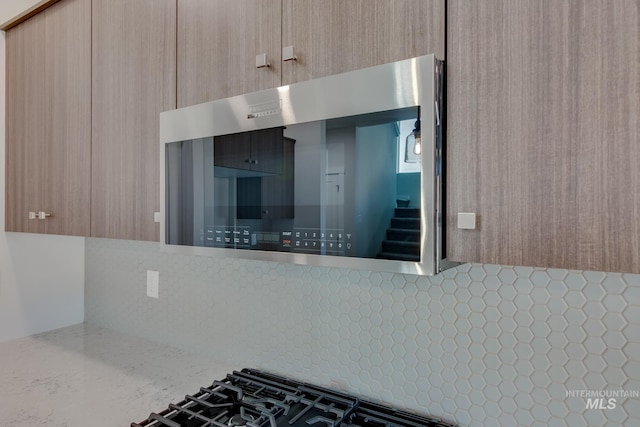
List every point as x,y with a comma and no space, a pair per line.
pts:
413,145
408,160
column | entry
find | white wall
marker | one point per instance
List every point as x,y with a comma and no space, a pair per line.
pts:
41,277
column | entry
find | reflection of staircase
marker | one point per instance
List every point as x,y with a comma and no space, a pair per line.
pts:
403,237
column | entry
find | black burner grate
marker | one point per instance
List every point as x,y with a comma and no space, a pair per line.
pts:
252,398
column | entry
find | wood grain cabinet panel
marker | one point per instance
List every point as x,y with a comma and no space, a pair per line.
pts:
48,139
335,36
134,62
218,41
25,129
543,101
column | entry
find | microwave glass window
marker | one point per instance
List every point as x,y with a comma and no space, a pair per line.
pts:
339,187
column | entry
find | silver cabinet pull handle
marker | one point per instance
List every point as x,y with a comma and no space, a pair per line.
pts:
288,54
261,61
39,215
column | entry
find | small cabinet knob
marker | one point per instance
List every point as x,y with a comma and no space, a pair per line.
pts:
261,60
39,215
466,220
288,54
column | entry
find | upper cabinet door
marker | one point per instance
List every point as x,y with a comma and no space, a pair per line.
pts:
134,62
543,101
218,41
334,36
48,146
25,124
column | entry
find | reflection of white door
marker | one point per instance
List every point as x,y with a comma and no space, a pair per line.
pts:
334,210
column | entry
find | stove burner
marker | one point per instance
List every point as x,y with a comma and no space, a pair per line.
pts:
252,398
239,419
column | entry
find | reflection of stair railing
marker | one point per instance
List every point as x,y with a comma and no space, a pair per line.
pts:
403,236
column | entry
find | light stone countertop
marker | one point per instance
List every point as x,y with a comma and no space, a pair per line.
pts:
83,375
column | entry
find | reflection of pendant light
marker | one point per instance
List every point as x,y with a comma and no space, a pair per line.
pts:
413,145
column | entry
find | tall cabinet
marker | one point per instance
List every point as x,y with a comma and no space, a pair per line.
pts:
134,63
221,42
542,131
48,135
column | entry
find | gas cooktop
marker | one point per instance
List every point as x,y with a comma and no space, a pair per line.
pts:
254,398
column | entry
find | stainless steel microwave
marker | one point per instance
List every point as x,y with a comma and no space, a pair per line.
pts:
343,171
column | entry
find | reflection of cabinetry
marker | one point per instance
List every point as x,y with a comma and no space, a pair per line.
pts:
262,163
258,151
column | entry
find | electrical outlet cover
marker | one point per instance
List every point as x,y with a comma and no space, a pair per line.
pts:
153,283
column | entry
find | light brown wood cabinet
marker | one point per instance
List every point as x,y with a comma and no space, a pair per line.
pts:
543,107
48,134
335,36
218,40
101,177
134,63
543,100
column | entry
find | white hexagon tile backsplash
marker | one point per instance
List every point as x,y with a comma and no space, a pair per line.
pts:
481,345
